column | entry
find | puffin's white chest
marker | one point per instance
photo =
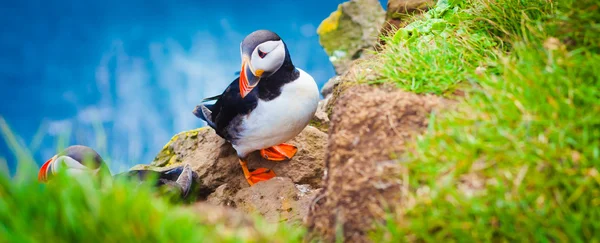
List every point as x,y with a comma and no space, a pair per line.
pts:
279,120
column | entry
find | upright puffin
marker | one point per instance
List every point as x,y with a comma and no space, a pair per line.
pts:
80,160
270,103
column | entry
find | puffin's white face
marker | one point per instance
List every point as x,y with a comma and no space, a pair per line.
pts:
71,166
263,53
267,58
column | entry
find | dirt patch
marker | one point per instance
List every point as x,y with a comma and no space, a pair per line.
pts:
370,126
360,72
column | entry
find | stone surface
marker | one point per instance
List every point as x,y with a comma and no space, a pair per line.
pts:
222,196
328,87
229,217
401,9
350,30
215,161
321,119
278,199
363,180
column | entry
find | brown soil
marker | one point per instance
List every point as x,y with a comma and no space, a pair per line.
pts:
369,127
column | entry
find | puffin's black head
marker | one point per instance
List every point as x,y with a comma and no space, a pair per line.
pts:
76,159
263,53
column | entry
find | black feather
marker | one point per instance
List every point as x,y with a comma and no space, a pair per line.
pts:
216,97
229,106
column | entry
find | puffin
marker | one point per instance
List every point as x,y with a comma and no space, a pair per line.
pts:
270,103
79,160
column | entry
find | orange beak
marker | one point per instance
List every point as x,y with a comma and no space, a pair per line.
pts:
43,174
248,78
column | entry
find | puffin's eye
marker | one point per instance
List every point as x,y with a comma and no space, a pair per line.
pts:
261,54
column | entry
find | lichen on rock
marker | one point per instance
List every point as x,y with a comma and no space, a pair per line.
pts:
351,29
166,156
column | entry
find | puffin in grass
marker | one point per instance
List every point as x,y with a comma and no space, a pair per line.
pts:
80,160
270,103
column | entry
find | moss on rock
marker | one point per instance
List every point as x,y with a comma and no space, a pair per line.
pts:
166,156
351,29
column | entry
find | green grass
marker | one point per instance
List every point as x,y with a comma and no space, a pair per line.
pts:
436,52
72,209
518,160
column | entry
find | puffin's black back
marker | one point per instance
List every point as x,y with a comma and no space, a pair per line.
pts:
144,175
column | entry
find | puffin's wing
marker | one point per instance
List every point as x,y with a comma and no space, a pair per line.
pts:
204,112
229,105
184,181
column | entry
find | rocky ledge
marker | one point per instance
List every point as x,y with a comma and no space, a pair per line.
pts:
219,180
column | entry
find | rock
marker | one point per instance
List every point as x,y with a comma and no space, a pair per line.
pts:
220,215
350,30
278,199
236,226
399,11
328,87
223,196
215,161
363,181
321,119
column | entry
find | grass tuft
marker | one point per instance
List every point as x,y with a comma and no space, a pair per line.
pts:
518,160
436,52
82,209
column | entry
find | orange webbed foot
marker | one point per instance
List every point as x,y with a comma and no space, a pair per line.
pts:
258,175
279,152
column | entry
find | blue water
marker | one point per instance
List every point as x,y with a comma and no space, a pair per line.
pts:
123,76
